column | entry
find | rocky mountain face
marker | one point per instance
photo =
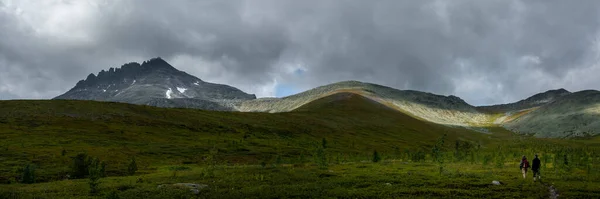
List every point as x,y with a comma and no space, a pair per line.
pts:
536,100
572,115
156,83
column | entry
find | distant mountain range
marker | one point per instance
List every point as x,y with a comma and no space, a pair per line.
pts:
554,113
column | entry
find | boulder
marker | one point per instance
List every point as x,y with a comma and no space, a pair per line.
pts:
194,188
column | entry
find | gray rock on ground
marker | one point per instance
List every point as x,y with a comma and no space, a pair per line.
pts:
194,188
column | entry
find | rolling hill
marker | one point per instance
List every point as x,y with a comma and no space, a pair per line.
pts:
353,124
447,110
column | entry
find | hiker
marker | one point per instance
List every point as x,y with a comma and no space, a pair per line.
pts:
524,166
535,167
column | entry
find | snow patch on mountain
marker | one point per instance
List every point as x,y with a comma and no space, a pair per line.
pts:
168,93
181,90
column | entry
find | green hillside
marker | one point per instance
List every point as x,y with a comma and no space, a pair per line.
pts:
265,155
38,132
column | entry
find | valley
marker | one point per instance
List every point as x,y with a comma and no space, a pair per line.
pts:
317,150
351,139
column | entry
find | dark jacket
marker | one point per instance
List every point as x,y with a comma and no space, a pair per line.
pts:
536,164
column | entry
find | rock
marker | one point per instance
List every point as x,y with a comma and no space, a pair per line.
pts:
496,182
194,188
388,184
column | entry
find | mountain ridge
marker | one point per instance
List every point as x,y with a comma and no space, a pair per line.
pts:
536,100
156,83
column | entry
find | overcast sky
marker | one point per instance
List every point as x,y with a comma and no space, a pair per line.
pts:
484,51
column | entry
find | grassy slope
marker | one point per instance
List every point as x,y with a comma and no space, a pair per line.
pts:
38,131
353,125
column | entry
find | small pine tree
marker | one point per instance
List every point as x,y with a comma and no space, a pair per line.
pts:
79,169
376,157
500,161
278,160
94,176
132,167
324,143
301,157
63,152
321,157
546,158
486,159
263,163
28,174
103,169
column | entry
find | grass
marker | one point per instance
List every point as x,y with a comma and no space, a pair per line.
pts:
389,179
227,151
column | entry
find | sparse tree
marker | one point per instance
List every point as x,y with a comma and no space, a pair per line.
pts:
95,170
376,157
79,169
28,174
320,157
132,167
437,152
103,169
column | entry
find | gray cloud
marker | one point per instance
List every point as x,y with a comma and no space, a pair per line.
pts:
486,52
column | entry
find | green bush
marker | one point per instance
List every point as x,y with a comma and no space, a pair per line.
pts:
79,168
28,176
95,170
320,157
376,157
132,167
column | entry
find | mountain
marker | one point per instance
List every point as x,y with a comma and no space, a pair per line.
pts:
156,83
554,113
447,110
536,100
573,115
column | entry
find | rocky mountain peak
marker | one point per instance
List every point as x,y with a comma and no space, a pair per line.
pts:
127,71
154,82
157,63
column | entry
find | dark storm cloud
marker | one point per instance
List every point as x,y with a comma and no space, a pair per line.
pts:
483,51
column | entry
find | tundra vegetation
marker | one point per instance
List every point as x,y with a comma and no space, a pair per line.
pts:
355,149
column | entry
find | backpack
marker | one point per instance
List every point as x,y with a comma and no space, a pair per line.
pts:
524,164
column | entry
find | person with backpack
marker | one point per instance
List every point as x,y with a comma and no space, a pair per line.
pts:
524,166
535,167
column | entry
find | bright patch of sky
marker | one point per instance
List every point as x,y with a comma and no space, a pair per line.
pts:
284,90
